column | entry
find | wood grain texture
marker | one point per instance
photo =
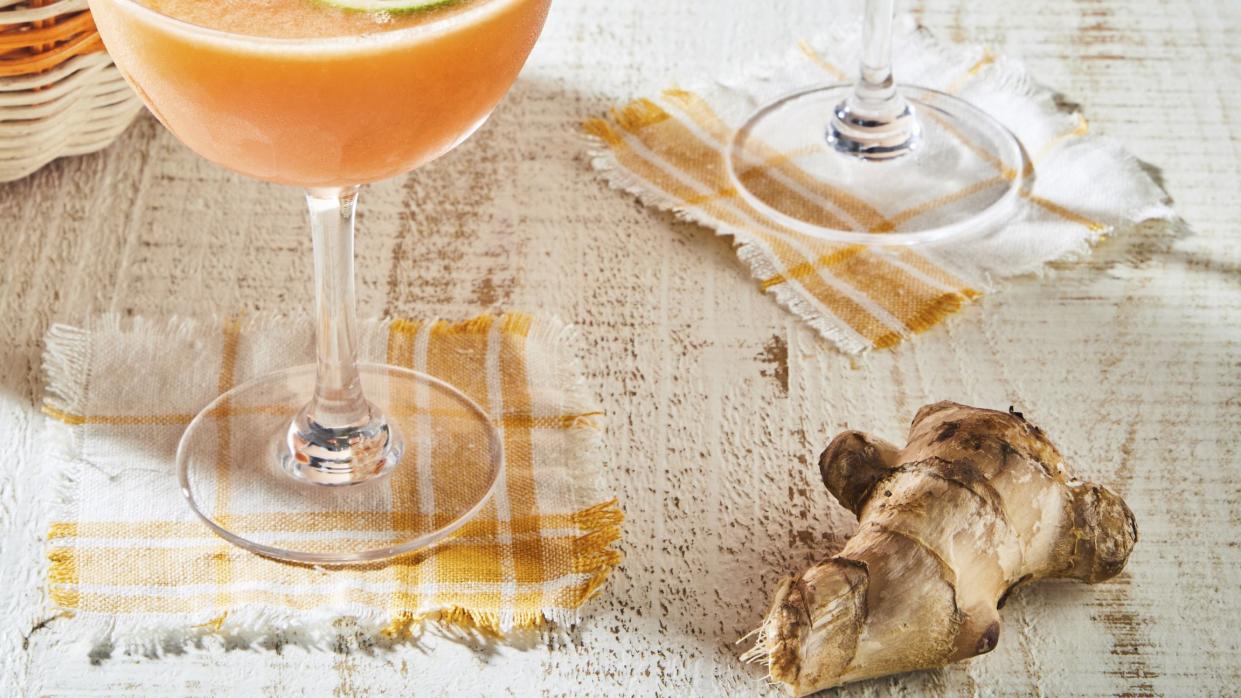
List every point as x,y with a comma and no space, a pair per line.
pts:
718,400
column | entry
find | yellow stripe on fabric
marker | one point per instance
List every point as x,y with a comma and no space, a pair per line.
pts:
562,421
75,420
593,554
580,420
805,269
700,112
515,390
928,206
987,156
1080,129
222,567
818,59
63,577
480,325
520,481
459,559
638,114
916,303
918,313
845,309
517,325
1092,225
308,522
936,272
225,382
403,328
958,84
457,353
404,490
506,555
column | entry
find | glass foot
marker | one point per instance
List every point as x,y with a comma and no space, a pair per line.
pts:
341,457
435,461
962,175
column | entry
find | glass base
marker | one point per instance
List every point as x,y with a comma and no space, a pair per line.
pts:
441,461
962,175
341,457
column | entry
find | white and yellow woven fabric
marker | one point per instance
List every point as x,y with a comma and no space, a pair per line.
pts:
126,552
668,149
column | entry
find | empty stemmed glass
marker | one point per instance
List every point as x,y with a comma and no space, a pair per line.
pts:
941,166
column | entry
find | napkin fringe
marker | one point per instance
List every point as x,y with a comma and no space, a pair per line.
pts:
270,626
66,369
254,626
588,429
601,526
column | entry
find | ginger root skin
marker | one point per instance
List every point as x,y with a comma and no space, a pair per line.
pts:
977,502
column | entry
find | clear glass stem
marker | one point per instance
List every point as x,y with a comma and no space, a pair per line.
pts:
875,121
338,400
339,438
875,84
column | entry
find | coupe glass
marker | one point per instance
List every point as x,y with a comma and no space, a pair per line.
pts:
950,168
336,461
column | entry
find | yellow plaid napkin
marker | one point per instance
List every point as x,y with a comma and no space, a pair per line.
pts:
126,551
668,149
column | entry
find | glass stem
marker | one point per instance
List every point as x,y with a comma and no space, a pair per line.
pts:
875,84
875,121
338,400
339,437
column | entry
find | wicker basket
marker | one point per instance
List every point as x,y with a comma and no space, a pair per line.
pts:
60,93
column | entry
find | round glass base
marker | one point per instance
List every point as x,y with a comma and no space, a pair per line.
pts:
962,176
232,462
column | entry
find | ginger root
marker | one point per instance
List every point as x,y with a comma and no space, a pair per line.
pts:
976,503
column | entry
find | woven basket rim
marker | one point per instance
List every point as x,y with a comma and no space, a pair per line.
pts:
39,43
38,10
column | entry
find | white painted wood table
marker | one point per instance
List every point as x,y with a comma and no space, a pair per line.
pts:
719,400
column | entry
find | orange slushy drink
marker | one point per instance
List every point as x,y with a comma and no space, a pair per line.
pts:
306,93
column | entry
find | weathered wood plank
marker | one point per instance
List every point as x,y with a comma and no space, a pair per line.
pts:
718,400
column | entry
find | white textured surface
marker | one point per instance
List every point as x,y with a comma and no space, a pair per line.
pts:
1130,361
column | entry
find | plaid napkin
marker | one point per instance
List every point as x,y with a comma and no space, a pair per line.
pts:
127,553
668,149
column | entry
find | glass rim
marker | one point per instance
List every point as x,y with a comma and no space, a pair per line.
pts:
442,25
